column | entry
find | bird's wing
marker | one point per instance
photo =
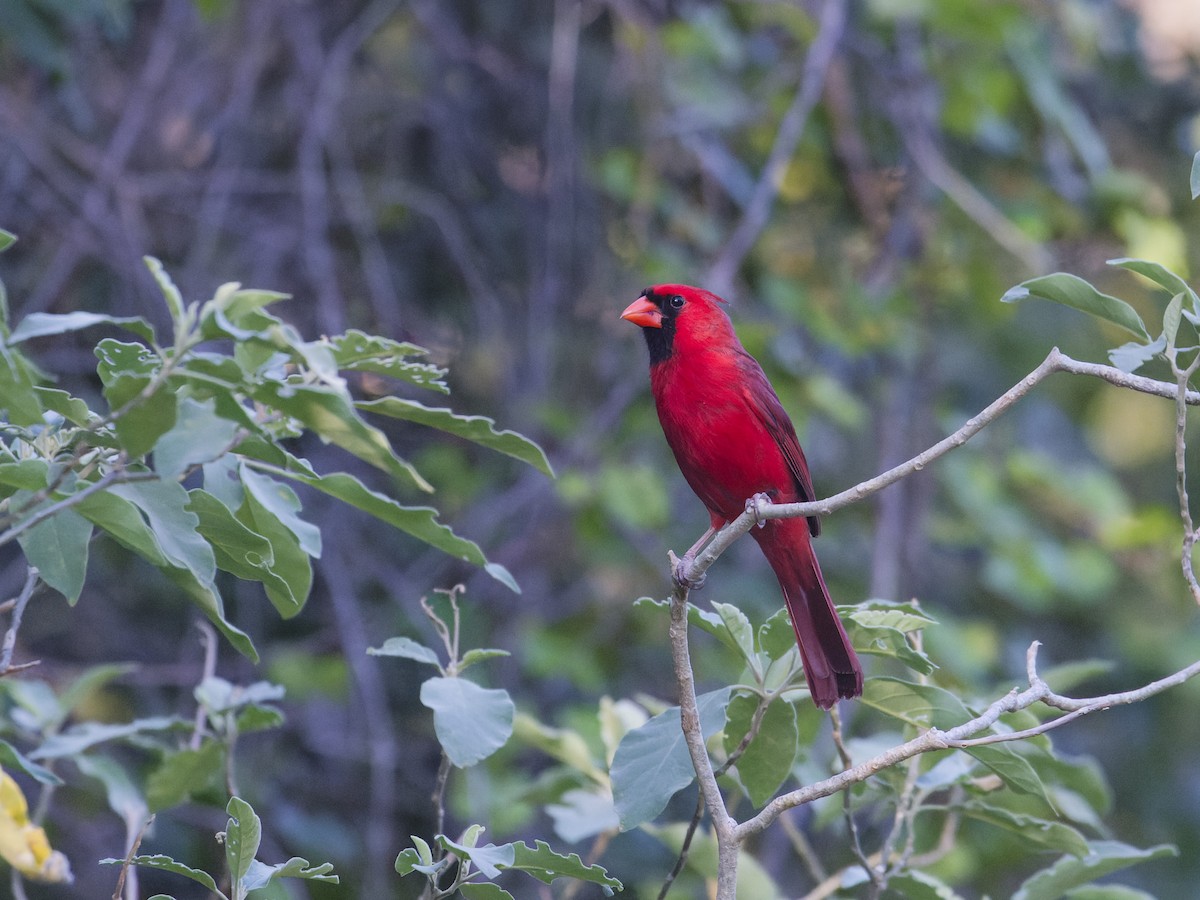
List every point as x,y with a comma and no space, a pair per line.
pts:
763,400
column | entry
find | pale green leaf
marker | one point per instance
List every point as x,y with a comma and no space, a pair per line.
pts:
243,834
58,548
164,863
1103,858
406,648
479,429
767,761
183,774
471,722
652,762
1070,290
357,351
46,324
198,436
330,414
170,293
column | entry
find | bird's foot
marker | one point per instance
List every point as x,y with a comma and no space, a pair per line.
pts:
756,504
681,572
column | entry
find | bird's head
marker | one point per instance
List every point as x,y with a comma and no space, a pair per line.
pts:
672,315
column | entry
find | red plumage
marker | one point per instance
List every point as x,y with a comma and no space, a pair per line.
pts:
733,440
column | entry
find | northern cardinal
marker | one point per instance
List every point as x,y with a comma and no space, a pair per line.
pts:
733,441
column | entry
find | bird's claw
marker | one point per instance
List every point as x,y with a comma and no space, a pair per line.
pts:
753,506
680,572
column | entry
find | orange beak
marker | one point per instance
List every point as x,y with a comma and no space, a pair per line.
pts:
643,312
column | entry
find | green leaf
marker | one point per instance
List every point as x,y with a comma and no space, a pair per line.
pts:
260,874
1041,833
406,648
471,722
926,706
243,834
419,521
81,737
882,629
1107,892
169,291
198,436
580,814
478,655
236,548
767,761
544,864
14,760
741,633
357,351
70,408
46,324
1171,318
484,890
184,774
700,618
164,863
124,522
7,239
58,548
1103,858
127,371
18,393
479,429
25,474
652,762
281,502
209,600
776,637
165,506
290,537
330,414
1070,290
490,859
1160,275
1133,355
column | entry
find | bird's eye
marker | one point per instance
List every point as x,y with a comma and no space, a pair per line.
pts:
676,302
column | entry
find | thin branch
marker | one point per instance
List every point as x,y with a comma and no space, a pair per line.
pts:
723,825
1055,361
961,737
873,873
1190,535
116,476
208,637
684,848
10,636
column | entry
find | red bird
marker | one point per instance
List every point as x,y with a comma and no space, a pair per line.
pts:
733,440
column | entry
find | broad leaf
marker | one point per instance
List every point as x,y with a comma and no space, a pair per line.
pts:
1041,833
81,737
1103,858
406,648
544,864
47,324
260,874
767,761
1070,290
165,506
330,414
1160,275
1131,356
471,722
357,351
58,548
198,436
243,834
184,774
580,814
13,759
164,863
652,762
479,429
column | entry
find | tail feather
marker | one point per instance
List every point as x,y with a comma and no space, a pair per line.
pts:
830,664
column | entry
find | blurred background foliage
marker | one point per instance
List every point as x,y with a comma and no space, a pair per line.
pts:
496,181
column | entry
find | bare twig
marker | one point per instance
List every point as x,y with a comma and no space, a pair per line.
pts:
729,833
10,636
1055,361
208,637
127,870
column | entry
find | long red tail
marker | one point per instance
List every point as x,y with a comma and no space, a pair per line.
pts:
830,664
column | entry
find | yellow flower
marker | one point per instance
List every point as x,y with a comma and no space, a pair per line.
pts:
23,844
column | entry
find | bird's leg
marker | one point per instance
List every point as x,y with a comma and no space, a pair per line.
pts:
679,569
753,505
